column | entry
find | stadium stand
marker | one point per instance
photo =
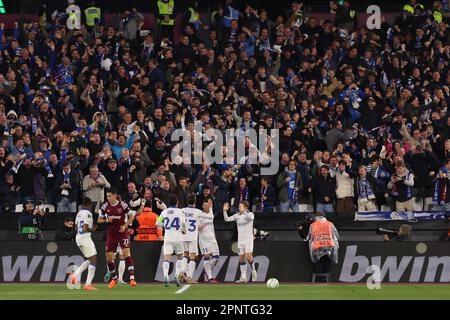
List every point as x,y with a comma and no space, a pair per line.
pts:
362,114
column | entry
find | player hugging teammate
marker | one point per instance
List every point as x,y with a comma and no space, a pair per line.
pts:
194,219
185,230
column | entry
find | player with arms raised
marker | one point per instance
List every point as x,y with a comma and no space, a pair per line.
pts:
85,225
173,221
244,220
190,243
118,216
207,241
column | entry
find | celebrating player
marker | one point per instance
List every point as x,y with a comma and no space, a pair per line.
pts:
244,220
118,215
207,241
190,243
173,221
85,225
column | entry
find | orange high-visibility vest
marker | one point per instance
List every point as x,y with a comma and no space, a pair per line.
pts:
322,234
148,231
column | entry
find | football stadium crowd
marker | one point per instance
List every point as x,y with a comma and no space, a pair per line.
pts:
362,114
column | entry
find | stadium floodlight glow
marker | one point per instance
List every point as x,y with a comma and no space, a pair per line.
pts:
2,7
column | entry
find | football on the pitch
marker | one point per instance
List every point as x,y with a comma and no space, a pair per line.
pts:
272,283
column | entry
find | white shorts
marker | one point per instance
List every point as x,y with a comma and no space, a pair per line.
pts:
209,247
173,246
119,250
87,247
245,247
190,246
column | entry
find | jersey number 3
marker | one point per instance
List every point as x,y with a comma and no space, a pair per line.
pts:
192,225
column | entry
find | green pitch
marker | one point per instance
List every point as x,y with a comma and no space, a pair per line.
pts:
224,292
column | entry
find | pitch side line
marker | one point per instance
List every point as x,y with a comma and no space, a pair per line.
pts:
183,289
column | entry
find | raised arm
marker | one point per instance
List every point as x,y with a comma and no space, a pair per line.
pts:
226,206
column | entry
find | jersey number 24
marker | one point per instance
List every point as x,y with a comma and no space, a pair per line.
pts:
175,223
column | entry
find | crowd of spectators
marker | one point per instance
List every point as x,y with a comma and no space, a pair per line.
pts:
362,114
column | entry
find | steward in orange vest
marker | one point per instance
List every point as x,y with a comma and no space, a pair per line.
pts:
148,231
323,239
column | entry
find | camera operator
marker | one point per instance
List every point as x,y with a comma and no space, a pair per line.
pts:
323,244
303,226
31,220
403,233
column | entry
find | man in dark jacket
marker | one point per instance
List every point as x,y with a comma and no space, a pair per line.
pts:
155,74
115,175
267,197
370,114
25,179
9,194
66,232
222,193
184,189
67,188
424,165
441,195
324,188
241,193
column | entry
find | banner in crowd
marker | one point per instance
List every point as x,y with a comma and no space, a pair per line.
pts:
287,261
412,216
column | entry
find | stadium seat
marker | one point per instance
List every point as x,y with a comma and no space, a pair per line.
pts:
306,208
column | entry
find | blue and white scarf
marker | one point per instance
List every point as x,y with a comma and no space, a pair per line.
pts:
365,190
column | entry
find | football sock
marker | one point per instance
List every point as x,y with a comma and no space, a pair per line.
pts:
214,261
130,264
243,267
166,266
191,268
91,273
207,267
178,268
112,270
81,268
184,264
121,269
252,265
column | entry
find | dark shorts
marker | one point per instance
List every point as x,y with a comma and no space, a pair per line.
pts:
113,242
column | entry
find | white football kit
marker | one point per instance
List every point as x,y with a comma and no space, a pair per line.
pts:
83,239
207,236
245,230
193,216
173,221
